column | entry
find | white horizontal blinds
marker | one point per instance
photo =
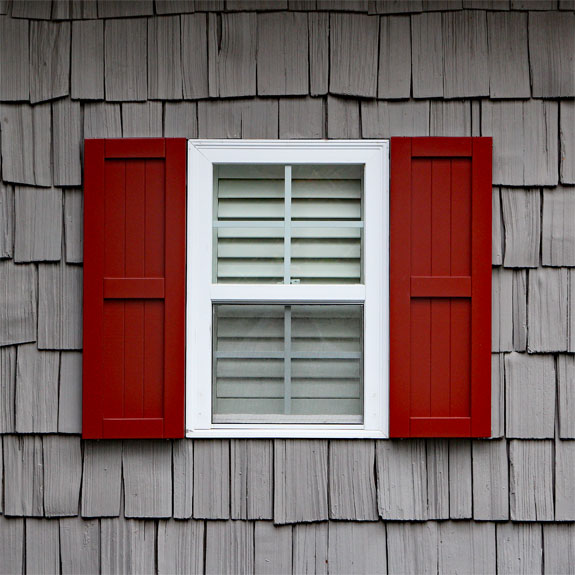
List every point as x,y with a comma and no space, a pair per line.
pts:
291,362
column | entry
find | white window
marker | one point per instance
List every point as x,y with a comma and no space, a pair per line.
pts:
287,297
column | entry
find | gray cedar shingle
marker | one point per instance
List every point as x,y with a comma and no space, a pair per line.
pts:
552,54
23,476
194,56
531,480
566,392
394,6
282,54
401,479
220,119
465,57
102,120
164,59
1,468
475,117
14,59
520,310
302,118
180,547
524,141
356,548
343,118
36,390
449,118
564,484
180,120
33,9
558,237
59,306
497,395
183,470
460,479
87,68
490,481
343,5
300,480
566,4
67,145
211,479
38,224
486,4
79,546
567,136
501,310
260,118
412,547
302,4
466,547
508,55
5,5
251,5
49,60
142,120
101,478
441,5
77,10
350,35
125,58
229,547
42,546
26,144
519,549
547,310
272,548
310,548
70,406
251,473
496,228
209,5
437,453
427,55
174,6
559,548
232,54
6,221
522,225
530,395
352,492
7,388
11,545
62,475
73,225
124,9
17,303
533,4
318,53
571,326
394,79
127,546
387,119
147,466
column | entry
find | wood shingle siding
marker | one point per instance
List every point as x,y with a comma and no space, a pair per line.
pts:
7,389
449,118
272,548
387,119
194,56
490,481
501,310
412,547
564,485
180,547
342,118
79,545
558,237
229,547
310,548
42,546
497,395
466,547
87,73
356,547
566,393
567,137
211,479
519,548
7,218
70,404
559,547
394,79
183,471
74,225
14,59
67,149
437,461
12,544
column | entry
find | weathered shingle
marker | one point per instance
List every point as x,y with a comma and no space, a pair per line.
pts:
62,475
318,53
59,306
282,55
125,59
501,310
571,325
79,546
251,5
521,222
351,35
49,60
401,479
36,390
11,544
229,547
147,474
300,481
260,118
564,484
251,464
394,79
567,136
559,548
508,55
102,120
101,478
232,54
460,492
272,548
73,226
302,118
183,470
520,310
122,9
552,54
164,59
566,392
180,547
75,9
441,5
427,55
26,144
33,9
14,59
67,146
180,120
412,547
211,479
7,388
87,79
496,229
70,406
490,481
547,310
437,460
343,118
497,395
220,119
142,120
6,221
174,6
310,548
531,480
356,547
466,547
42,546
449,118
394,6
387,119
519,548
558,227
194,56
343,5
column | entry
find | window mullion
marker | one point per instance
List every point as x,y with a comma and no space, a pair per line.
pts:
287,360
287,226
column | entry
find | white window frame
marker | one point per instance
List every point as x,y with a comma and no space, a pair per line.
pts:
202,293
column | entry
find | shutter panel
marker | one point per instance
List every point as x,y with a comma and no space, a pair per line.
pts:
440,287
134,288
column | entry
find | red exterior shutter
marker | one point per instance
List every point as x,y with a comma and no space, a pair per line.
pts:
134,288
440,287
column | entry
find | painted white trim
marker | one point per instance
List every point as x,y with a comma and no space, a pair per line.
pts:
202,155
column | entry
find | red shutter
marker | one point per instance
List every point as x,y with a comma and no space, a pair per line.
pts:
440,287
134,288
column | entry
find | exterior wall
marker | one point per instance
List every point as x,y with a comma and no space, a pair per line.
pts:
287,69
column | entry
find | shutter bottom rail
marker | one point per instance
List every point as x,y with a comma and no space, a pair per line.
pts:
440,426
133,428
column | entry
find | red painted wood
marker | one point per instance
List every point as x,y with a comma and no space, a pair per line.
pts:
440,285
134,360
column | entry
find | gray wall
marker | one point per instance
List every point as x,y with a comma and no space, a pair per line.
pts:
297,69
